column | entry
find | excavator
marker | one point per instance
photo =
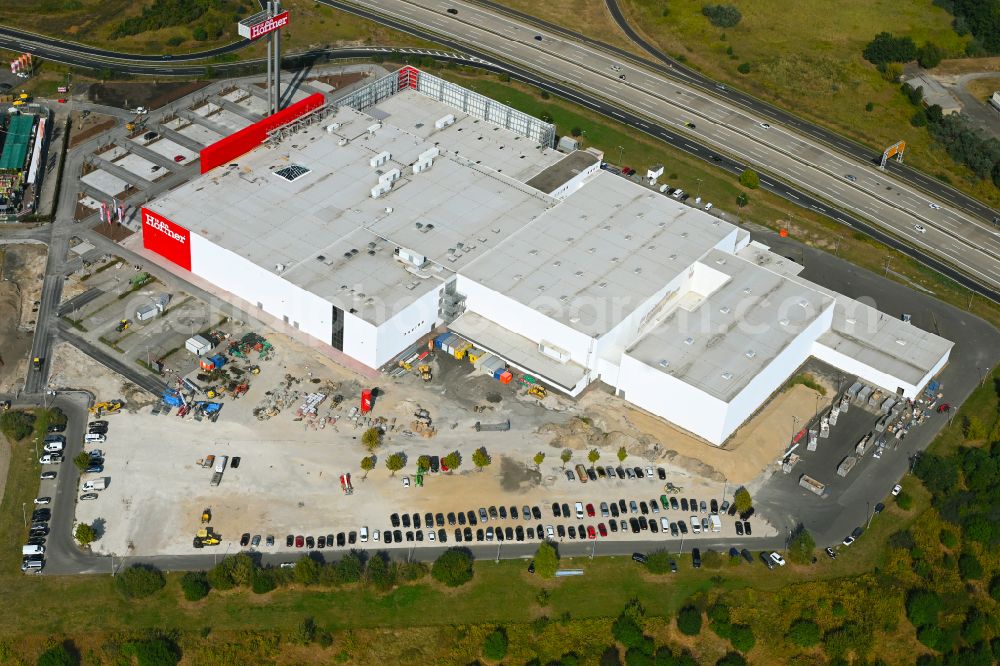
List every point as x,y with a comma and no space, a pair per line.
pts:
425,372
108,407
206,536
206,516
538,391
123,325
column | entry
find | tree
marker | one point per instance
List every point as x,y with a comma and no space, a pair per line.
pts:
395,462
380,572
689,621
627,631
194,584
722,16
546,560
904,500
801,546
922,607
82,460
371,439
803,633
85,534
305,631
742,199
306,571
139,581
480,458
750,179
16,425
742,500
969,567
452,461
349,568
565,456
424,461
576,131
744,68
885,49
263,581
200,34
622,454
453,568
593,456
731,659
930,55
539,459
742,637
367,465
57,655
495,645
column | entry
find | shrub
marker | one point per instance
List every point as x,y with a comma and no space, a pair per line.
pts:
637,657
306,571
371,439
576,131
922,607
975,626
627,631
750,179
139,581
262,581
349,568
57,655
995,588
411,571
742,637
885,49
933,637
904,500
200,34
722,16
744,68
969,567
801,546
154,652
712,559
803,633
869,107
689,621
81,460
742,199
380,572
16,425
454,567
176,40
948,538
495,645
930,55
305,631
732,659
742,500
195,586
919,118
85,534
658,562
546,559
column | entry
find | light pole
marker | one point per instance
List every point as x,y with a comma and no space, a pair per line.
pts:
24,513
499,544
870,516
698,193
621,154
681,549
593,549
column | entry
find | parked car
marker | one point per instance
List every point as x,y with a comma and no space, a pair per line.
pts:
696,558
831,553
89,496
768,562
639,557
778,559
299,541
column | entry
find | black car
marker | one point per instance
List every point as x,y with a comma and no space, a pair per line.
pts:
479,535
739,528
732,510
394,519
94,429
428,518
509,533
442,536
409,535
36,541
634,525
662,473
38,530
673,530
639,557
746,528
684,504
714,504
653,527
397,536
536,513
289,540
514,515
613,525
858,531
673,504
734,553
639,474
620,471
461,518
458,534
245,540
41,514
696,558
572,532
531,534
561,531
451,518
321,541
643,508
94,469
387,536
643,523
416,521
420,535
406,520
503,512
622,506
565,510
452,10
692,504
329,541
352,537
439,519
56,427
747,556
342,538
235,463
682,526
310,542
467,534
492,513
879,508
435,464
614,509
471,516
746,514
556,513
768,562
591,474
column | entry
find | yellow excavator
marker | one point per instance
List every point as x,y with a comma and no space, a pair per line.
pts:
123,325
206,536
108,407
538,391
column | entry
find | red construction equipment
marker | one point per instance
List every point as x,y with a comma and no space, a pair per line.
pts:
366,401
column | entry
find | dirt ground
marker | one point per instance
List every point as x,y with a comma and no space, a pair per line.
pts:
984,87
22,268
967,66
338,81
129,95
89,127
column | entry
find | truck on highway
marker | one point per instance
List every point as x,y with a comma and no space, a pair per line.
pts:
95,484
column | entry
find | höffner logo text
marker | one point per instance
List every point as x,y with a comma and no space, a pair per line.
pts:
162,227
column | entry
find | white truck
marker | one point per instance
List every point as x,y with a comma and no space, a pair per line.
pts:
95,484
220,467
715,523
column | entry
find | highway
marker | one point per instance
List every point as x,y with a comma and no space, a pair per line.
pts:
807,165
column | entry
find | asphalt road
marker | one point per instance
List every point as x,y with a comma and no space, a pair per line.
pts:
783,152
976,351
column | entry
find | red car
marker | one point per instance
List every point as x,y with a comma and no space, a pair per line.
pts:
299,541
591,534
590,510
178,158
62,101
602,529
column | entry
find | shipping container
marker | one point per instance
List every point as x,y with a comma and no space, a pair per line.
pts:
473,355
505,377
461,348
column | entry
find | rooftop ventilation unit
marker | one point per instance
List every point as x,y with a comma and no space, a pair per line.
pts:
429,154
374,128
410,257
422,165
389,177
664,363
343,142
379,159
445,121
689,341
727,375
749,353
332,127
783,322
724,309
381,189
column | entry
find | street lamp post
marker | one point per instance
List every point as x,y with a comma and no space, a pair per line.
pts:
24,513
621,154
698,193
681,549
499,544
593,549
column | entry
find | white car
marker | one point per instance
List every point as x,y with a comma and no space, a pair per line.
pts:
665,525
919,228
430,535
406,482
42,500
53,447
50,459
650,473
695,525
765,126
848,541
375,535
934,206
896,489
778,559
550,532
708,206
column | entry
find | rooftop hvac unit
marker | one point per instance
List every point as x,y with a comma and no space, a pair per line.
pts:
333,127
389,177
379,159
374,128
380,189
422,165
441,123
429,154
342,142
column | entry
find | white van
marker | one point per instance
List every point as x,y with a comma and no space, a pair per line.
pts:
94,438
220,464
34,566
579,509
363,534
695,525
664,188
32,550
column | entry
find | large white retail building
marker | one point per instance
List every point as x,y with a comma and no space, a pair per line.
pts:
414,205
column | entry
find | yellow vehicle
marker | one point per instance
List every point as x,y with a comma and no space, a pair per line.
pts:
538,391
206,516
18,102
24,97
425,372
109,407
206,537
123,325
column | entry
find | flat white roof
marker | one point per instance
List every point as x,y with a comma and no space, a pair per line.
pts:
718,342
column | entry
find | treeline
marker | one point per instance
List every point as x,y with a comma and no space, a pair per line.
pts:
170,13
963,143
981,19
